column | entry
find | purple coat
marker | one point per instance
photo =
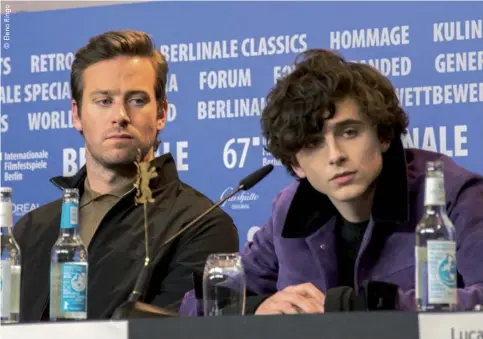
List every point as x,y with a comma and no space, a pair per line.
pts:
297,245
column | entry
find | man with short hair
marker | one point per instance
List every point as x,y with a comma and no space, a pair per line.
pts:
119,106
351,214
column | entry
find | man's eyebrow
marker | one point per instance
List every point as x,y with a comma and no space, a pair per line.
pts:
345,123
100,92
139,92
111,93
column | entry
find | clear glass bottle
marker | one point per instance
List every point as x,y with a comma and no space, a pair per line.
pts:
69,266
436,275
10,264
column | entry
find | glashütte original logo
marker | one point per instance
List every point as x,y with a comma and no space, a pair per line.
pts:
240,201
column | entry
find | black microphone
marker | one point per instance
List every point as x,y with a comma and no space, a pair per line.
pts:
133,308
372,296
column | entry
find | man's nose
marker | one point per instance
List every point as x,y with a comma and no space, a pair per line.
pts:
120,114
336,154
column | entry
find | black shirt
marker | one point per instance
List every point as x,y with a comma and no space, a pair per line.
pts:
349,237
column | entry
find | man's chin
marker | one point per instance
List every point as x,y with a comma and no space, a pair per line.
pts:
120,158
126,152
349,193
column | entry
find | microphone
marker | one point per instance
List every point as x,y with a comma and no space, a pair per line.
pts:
133,307
373,296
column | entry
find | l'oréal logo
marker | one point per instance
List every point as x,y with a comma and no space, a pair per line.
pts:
20,210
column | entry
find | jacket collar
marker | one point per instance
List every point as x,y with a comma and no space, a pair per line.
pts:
164,164
311,209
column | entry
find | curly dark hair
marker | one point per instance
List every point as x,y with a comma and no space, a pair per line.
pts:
300,102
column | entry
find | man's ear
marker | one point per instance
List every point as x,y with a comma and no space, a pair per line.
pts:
76,116
299,171
162,115
385,144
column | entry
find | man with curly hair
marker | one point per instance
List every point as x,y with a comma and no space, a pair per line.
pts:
350,216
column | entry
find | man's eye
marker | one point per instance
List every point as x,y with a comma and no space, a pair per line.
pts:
138,101
350,133
104,102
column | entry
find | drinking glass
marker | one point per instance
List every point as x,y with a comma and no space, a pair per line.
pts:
224,285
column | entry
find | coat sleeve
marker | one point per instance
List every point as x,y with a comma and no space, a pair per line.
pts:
466,214
260,261
217,234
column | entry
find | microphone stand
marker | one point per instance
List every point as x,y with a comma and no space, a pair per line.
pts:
133,308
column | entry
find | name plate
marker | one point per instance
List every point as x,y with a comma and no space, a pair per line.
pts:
71,330
451,326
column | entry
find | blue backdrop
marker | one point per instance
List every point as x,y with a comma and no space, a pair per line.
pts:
224,58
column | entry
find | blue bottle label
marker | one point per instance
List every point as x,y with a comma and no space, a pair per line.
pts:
74,287
70,211
442,272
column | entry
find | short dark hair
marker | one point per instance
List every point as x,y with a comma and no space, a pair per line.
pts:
110,45
300,102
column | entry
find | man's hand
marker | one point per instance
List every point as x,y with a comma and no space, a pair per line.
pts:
303,298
